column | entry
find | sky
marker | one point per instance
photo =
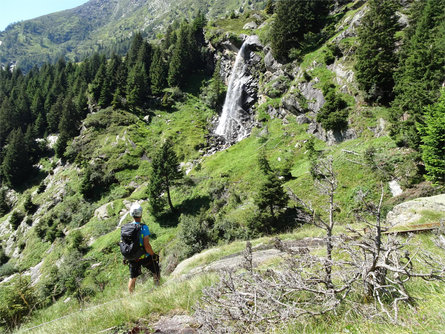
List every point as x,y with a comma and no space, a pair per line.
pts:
19,10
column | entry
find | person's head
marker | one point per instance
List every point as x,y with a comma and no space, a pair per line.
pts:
136,211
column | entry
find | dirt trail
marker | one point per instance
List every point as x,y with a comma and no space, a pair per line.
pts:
260,254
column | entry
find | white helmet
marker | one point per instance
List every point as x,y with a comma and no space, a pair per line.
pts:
136,210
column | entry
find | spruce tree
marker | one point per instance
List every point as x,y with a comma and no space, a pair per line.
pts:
433,141
270,199
164,174
421,70
158,72
16,166
68,126
95,87
376,59
180,57
137,86
294,19
132,54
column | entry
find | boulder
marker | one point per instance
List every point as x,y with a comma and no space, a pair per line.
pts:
314,96
178,324
271,64
250,26
291,103
413,211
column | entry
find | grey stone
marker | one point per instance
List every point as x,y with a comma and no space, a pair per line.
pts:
290,102
303,119
314,96
250,26
271,64
411,211
178,324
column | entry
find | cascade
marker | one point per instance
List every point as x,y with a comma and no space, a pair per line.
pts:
230,125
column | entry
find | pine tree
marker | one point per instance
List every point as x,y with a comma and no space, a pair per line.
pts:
271,195
433,141
421,70
294,19
132,54
180,57
95,87
158,72
376,59
165,172
137,86
16,166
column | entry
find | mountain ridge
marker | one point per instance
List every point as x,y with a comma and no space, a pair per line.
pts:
98,26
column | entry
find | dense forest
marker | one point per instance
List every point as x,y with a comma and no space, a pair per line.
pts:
398,65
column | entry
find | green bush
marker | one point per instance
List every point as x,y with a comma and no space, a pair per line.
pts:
3,257
4,207
17,300
7,269
196,233
334,113
29,206
16,219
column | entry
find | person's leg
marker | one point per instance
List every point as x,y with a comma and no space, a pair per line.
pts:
135,271
131,284
153,266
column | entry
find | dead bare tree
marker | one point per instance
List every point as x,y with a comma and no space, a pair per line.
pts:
370,264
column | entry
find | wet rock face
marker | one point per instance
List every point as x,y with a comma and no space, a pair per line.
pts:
237,119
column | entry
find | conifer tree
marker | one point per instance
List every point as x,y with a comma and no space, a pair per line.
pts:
433,141
4,207
132,54
158,71
68,126
165,172
271,195
95,87
137,86
16,165
6,117
271,199
376,59
54,114
294,19
179,59
421,69
144,56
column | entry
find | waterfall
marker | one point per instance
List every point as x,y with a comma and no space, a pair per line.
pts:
230,124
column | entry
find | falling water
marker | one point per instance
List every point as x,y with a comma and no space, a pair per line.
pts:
230,125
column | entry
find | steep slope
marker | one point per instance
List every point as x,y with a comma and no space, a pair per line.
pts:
99,26
67,242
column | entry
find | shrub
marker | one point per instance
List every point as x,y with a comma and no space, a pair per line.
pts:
29,206
196,233
17,300
333,115
4,206
16,219
3,257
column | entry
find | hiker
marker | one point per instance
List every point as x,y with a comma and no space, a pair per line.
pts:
142,255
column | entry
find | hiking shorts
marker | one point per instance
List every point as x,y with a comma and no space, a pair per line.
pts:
147,262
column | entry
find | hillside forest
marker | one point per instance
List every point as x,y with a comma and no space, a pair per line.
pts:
80,141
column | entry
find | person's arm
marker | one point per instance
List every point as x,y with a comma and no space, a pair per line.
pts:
147,246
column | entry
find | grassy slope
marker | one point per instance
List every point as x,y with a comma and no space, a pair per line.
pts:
236,168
